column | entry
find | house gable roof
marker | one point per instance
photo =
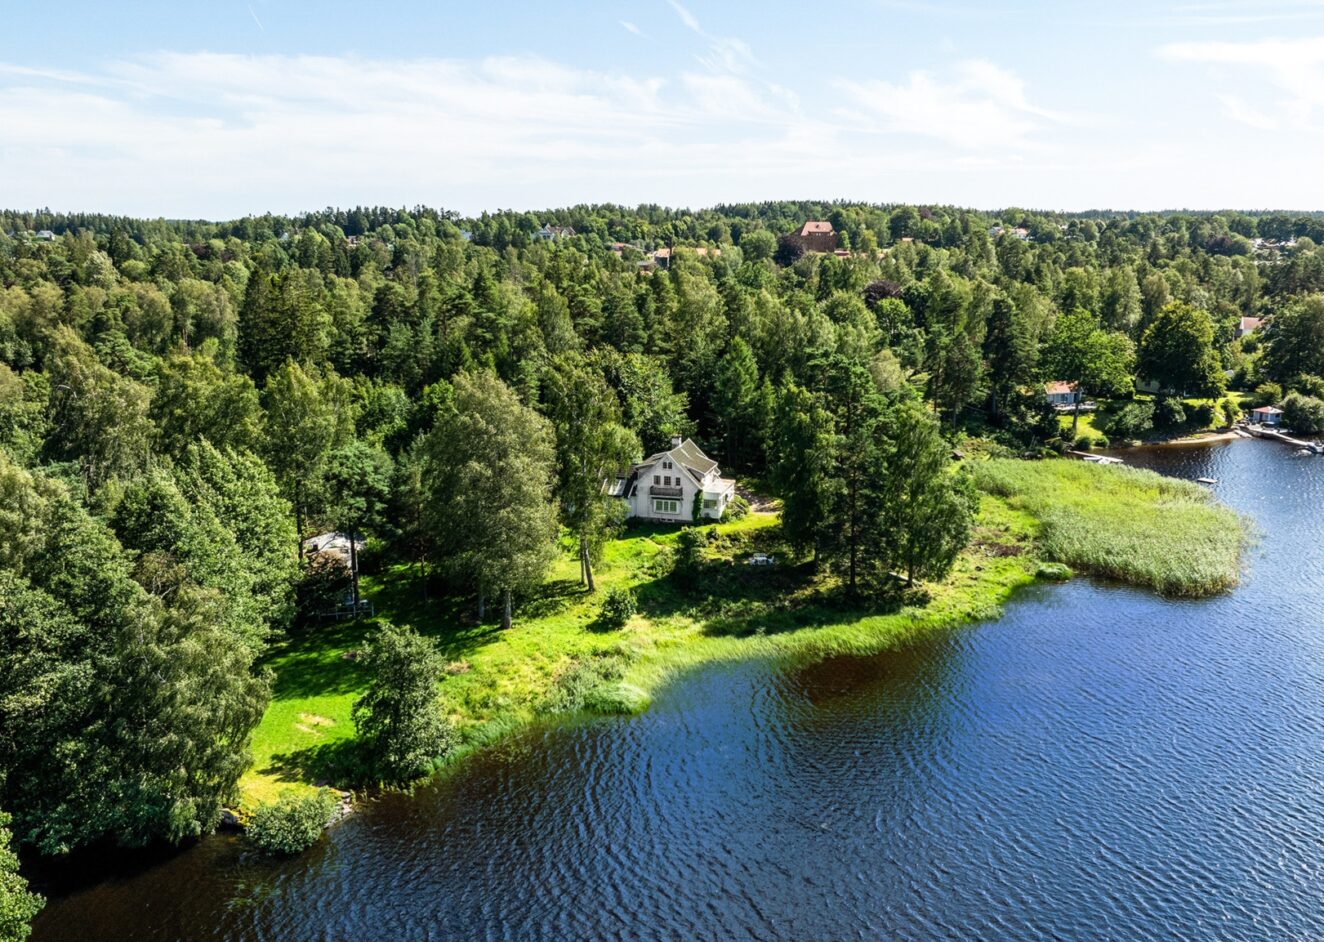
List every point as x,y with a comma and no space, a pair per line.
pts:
1059,388
688,456
815,226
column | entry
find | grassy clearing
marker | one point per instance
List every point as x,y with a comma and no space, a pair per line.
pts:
1125,523
559,659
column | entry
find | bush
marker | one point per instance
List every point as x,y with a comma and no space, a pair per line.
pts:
1133,420
1308,385
292,823
617,608
689,556
586,682
1303,414
18,904
1169,412
1202,413
1231,411
737,508
1084,442
1267,394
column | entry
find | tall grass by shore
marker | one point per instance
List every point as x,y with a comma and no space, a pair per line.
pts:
558,659
1125,523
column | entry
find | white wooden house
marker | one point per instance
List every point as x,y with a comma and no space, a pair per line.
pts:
664,486
1062,394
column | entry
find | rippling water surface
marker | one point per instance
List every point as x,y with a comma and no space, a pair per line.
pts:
1098,764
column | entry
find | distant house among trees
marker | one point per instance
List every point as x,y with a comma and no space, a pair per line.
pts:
1249,325
1267,415
666,486
554,232
335,546
1062,394
816,236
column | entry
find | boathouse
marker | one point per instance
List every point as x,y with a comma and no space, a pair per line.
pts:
1267,415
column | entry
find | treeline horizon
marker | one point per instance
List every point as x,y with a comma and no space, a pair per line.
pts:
361,219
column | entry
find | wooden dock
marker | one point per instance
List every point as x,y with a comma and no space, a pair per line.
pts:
1259,431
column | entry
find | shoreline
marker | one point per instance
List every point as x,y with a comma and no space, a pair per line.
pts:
503,681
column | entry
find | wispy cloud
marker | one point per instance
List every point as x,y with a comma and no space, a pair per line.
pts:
1294,66
630,27
725,53
982,106
184,131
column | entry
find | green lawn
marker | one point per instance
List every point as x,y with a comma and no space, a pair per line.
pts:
1119,522
1096,424
503,680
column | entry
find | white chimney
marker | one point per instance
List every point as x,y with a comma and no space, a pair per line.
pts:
675,441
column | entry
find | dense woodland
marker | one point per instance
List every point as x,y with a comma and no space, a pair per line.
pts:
183,403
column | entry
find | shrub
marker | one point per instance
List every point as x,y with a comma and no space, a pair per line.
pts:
1303,414
1231,411
616,699
1133,420
1267,394
1057,572
584,682
1084,442
292,823
18,904
689,556
1202,413
617,607
1308,385
737,508
1169,412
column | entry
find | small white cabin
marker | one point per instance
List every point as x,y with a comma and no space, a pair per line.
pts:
663,487
1267,415
1062,394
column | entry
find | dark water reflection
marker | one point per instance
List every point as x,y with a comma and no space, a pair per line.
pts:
1098,764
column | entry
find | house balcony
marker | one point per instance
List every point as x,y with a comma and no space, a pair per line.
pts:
662,490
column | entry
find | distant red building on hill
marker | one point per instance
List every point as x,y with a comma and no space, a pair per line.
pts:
816,236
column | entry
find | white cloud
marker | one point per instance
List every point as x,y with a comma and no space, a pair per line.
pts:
725,53
1294,66
983,106
630,27
219,134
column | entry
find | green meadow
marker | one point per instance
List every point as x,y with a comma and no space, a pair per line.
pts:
558,659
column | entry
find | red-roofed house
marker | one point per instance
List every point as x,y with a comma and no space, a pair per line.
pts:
1062,394
1249,325
817,236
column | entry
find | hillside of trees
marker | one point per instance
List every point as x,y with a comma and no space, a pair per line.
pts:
183,403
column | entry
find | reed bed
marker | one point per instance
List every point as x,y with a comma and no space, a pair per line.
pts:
1125,523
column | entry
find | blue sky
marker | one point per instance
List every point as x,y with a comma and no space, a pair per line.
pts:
221,109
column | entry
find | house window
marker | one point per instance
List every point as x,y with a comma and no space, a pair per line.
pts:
666,506
667,465
709,503
657,479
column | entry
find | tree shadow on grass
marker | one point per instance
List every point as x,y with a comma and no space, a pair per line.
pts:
339,763
731,599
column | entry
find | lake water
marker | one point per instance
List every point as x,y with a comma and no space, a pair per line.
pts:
1098,764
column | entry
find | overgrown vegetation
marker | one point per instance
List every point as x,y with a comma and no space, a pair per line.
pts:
1125,523
293,822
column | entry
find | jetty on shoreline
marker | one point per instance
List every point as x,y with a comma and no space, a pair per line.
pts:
1260,431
